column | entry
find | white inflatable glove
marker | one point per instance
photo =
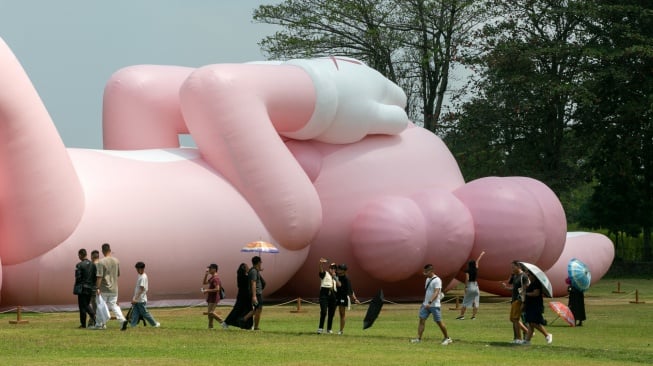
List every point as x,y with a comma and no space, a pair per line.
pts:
353,101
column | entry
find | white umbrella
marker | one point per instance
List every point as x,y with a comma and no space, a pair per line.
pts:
537,272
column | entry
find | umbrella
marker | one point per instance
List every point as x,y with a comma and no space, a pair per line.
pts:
579,274
537,272
260,246
373,310
563,312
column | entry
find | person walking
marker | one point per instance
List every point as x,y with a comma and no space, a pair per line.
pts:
328,288
472,293
533,309
431,305
108,271
257,284
95,258
243,303
84,288
344,295
516,284
139,300
212,294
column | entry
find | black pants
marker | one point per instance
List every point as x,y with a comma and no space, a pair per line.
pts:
327,307
84,303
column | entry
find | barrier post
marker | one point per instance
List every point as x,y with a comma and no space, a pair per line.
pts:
637,298
299,306
618,288
19,319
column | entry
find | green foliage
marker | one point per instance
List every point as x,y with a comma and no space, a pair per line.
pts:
411,42
616,333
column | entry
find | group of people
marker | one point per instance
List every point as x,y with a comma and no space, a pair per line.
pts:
246,312
335,291
99,278
526,306
96,284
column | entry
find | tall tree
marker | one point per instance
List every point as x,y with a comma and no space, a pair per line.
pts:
529,68
618,114
412,42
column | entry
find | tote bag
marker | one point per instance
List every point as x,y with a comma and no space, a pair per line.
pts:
102,313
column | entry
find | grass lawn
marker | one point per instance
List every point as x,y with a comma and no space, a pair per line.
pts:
615,333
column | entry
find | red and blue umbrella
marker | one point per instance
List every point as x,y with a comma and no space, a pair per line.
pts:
579,274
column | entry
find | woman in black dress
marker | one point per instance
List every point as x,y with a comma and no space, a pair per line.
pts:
576,303
243,303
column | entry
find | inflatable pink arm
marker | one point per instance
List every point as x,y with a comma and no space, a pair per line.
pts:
41,199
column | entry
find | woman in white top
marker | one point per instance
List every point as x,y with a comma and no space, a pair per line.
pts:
328,288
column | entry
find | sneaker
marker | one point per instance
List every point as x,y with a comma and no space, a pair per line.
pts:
517,341
473,318
157,325
415,340
320,330
462,317
329,331
340,332
549,338
446,341
224,325
124,325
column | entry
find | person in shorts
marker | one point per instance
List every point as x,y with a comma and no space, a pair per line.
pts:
517,283
431,305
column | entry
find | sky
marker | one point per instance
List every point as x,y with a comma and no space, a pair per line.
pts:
70,48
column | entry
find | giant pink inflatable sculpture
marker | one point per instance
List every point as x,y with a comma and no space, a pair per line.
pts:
315,156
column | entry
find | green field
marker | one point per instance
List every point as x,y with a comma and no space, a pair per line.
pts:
616,332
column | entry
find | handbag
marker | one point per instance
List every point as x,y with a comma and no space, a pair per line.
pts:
77,289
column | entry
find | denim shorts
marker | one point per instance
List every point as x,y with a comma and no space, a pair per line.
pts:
424,313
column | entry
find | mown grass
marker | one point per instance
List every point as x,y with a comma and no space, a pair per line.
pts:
616,333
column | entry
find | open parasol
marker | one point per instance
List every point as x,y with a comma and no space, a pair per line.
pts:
373,310
259,246
563,312
537,272
579,274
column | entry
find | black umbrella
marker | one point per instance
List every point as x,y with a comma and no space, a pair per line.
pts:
373,311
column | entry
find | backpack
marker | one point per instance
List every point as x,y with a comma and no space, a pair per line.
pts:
221,292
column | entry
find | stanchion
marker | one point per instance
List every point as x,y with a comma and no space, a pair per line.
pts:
457,304
637,298
299,306
19,319
618,289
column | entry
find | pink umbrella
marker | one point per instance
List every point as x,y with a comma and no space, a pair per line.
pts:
563,312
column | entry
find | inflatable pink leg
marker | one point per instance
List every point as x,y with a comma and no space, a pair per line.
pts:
235,114
41,199
141,108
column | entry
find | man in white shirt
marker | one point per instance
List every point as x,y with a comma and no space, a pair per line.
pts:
431,305
139,301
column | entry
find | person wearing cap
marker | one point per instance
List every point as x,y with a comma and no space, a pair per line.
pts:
344,294
139,300
328,288
211,278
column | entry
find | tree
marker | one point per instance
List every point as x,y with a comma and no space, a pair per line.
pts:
411,42
529,65
618,114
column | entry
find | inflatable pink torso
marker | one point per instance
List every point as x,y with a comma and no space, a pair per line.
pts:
314,156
